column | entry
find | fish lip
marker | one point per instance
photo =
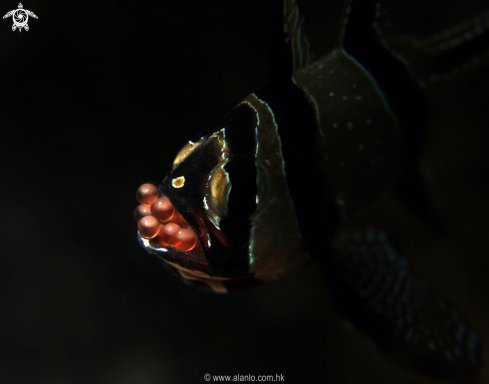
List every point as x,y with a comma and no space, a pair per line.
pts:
167,253
154,249
158,249
170,255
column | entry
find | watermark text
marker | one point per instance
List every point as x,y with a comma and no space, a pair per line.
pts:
278,377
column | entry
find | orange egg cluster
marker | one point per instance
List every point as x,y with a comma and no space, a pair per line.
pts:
159,220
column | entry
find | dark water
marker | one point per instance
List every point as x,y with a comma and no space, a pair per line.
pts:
95,99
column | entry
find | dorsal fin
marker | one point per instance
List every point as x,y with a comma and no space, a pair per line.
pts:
294,30
289,42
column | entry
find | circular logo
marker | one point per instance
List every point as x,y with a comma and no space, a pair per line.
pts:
20,18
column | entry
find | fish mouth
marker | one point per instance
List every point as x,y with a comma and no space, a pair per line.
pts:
179,232
161,221
168,228
171,228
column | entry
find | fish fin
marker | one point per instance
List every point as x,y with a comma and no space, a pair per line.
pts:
294,29
289,42
375,289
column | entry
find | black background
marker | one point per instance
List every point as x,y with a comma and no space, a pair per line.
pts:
95,99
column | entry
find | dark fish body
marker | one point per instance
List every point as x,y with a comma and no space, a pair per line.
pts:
286,173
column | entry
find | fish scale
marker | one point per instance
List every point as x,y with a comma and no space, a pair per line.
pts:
431,331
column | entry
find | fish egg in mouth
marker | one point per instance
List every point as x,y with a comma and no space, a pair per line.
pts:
159,221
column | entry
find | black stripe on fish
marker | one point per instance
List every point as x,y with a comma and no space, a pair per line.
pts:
240,136
298,129
401,93
239,127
